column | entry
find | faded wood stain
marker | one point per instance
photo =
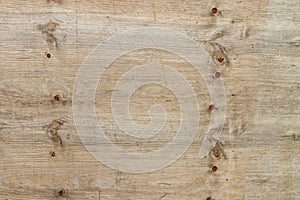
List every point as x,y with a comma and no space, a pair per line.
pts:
255,46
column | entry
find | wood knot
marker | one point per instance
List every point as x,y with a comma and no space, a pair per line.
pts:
62,192
56,97
211,107
52,154
48,29
48,55
220,59
214,168
218,151
217,75
220,54
214,10
52,131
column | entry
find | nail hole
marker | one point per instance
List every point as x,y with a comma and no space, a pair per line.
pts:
214,168
217,75
208,198
214,10
48,55
211,107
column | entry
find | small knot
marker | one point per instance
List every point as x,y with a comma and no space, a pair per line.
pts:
214,168
214,10
57,97
52,154
61,192
217,75
211,107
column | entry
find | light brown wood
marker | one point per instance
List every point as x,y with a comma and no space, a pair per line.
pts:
254,44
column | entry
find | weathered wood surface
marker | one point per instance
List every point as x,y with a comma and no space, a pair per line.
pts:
43,44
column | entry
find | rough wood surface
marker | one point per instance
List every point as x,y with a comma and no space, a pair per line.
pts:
255,45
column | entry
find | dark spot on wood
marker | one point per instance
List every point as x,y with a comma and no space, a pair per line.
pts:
61,192
214,10
52,154
208,198
226,179
232,95
220,59
211,107
54,1
48,55
214,168
217,75
57,97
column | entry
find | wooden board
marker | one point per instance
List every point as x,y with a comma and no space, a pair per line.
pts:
254,44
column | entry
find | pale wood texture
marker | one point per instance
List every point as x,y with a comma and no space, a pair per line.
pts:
261,66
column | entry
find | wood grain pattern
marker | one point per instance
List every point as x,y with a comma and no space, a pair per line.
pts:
255,45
